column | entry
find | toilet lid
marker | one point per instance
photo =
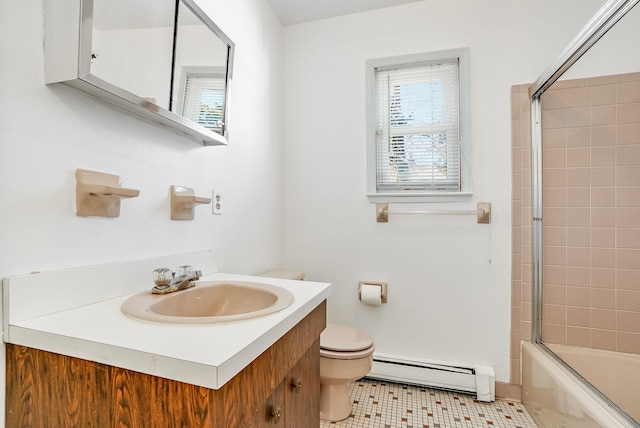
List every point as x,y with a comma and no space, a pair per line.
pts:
341,338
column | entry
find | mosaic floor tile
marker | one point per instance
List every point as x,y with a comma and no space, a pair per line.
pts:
381,404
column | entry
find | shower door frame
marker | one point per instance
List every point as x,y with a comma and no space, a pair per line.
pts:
602,21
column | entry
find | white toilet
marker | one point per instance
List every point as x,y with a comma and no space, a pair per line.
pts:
346,354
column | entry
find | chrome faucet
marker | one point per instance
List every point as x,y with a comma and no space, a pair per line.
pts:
176,283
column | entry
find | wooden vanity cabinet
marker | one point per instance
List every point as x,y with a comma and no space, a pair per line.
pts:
51,390
295,401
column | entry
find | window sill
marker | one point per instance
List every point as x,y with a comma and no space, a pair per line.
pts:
420,197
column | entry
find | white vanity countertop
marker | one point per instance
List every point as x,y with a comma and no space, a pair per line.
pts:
207,355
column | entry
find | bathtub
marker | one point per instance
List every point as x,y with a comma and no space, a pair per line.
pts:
554,397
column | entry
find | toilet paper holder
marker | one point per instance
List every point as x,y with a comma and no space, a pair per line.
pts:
383,289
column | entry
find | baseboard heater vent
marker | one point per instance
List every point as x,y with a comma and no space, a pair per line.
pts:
470,379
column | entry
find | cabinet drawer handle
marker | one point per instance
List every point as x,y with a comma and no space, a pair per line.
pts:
297,385
276,415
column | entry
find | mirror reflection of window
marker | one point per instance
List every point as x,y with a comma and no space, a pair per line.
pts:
202,97
199,82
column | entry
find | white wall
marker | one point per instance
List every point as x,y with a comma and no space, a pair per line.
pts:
46,132
449,278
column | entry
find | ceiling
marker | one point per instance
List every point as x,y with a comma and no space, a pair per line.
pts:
297,11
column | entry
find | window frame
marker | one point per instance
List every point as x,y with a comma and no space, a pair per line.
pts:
375,195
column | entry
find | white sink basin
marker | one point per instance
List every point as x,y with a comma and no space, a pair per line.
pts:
209,302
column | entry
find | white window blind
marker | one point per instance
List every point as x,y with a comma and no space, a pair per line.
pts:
417,127
204,100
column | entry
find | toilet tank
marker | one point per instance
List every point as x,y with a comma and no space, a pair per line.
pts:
284,274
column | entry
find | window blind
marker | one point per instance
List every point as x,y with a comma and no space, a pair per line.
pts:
418,126
204,101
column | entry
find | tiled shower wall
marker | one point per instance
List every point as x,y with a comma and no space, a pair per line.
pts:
591,214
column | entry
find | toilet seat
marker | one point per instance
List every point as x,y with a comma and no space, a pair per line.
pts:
345,343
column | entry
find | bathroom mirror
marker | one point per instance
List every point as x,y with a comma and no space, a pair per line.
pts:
165,60
198,91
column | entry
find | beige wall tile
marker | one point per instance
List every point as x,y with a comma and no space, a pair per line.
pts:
628,300
525,334
516,317
602,80
628,279
516,159
555,295
552,235
554,99
577,157
628,196
628,134
577,137
602,135
627,175
628,155
578,276
628,342
628,321
578,296
603,237
603,339
552,333
554,196
576,177
516,293
554,216
554,158
578,217
601,115
630,77
628,113
578,336
555,275
603,156
515,371
578,256
628,258
603,278
578,117
628,216
556,177
577,316
603,176
577,197
603,319
603,95
578,236
577,97
603,217
603,258
554,118
515,345
554,255
603,197
554,138
603,298
628,238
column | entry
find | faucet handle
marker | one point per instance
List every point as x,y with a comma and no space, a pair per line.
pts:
162,276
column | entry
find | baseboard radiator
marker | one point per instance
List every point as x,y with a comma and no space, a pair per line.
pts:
478,380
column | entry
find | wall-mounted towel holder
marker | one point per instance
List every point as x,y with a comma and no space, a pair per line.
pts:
482,212
99,193
184,201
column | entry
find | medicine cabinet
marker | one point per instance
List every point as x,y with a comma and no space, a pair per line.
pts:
164,60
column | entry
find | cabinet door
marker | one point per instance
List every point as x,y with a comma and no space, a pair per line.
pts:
302,390
272,412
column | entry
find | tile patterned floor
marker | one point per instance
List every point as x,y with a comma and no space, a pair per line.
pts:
381,404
